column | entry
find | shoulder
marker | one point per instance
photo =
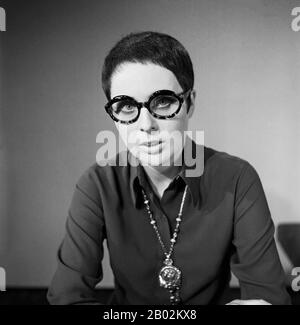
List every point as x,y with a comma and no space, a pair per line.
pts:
102,174
227,167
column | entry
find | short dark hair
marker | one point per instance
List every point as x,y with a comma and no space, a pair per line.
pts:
149,46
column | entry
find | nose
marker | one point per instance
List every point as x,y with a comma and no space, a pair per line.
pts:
146,121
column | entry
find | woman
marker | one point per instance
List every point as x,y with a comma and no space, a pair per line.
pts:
172,236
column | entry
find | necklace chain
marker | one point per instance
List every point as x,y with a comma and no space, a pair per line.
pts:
169,275
176,230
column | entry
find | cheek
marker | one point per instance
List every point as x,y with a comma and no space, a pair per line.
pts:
128,134
175,125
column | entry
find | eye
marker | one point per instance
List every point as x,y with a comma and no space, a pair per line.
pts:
163,101
124,106
128,108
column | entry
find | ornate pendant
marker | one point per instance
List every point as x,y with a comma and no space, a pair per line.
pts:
169,276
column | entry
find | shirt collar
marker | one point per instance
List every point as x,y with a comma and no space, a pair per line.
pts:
191,172
192,168
134,183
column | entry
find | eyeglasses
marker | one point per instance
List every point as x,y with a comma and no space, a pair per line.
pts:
162,104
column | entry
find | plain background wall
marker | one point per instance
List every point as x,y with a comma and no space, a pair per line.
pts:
246,60
3,163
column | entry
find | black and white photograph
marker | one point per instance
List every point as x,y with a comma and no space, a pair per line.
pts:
149,154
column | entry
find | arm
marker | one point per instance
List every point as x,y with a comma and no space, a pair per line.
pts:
80,254
256,262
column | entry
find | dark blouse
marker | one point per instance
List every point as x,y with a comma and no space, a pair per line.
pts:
226,225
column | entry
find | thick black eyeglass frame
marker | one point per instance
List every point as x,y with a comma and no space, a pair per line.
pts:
181,97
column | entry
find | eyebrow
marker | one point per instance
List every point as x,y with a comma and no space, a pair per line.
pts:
147,97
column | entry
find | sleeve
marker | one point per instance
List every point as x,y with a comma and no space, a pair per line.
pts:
80,254
256,262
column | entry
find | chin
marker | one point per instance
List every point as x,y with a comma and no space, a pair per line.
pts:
161,159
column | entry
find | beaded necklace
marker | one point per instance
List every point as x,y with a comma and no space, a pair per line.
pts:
169,275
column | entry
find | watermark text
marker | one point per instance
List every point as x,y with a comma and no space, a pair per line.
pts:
2,279
295,24
296,281
163,150
2,20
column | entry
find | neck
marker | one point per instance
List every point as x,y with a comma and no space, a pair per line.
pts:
161,176
160,179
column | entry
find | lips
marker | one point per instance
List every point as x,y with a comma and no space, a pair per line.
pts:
151,143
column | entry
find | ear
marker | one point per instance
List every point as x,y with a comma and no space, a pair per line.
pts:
192,98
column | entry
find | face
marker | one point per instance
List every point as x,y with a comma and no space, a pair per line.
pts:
164,137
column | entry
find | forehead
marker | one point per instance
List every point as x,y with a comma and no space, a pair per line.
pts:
141,80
